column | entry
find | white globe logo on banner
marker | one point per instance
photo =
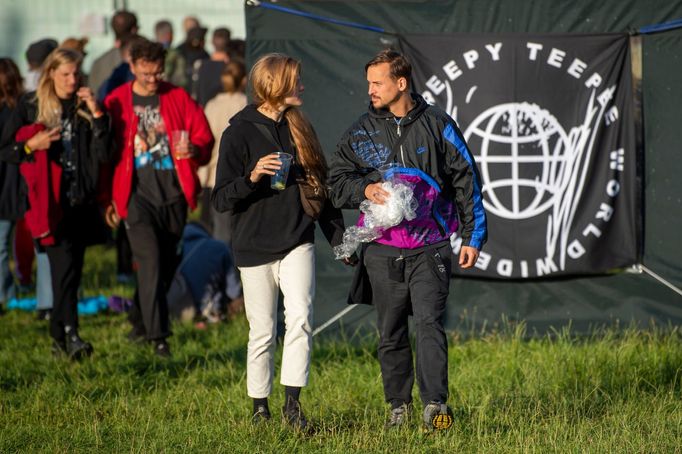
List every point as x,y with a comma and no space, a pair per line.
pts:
525,140
539,121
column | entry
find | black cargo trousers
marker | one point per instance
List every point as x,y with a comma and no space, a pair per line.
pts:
409,282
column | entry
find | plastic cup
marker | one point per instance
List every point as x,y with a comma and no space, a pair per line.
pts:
278,181
179,136
388,171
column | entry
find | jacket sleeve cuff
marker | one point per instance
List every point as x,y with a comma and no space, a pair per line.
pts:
100,124
371,178
245,185
472,242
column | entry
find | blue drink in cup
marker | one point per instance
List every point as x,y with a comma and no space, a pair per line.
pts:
278,181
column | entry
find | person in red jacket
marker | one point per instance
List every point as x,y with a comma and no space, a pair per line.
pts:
60,138
162,137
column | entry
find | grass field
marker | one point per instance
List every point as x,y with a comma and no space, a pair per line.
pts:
615,391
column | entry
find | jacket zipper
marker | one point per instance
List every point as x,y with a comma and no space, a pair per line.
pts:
402,156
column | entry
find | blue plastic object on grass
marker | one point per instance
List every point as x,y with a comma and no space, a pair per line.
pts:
86,306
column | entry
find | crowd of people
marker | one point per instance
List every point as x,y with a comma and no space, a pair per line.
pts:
155,131
67,141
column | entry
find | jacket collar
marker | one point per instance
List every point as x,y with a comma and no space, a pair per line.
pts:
420,106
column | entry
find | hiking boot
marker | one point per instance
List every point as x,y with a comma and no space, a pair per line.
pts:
437,416
76,347
162,349
293,415
399,416
262,414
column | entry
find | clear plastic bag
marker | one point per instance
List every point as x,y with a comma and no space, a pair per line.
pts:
400,204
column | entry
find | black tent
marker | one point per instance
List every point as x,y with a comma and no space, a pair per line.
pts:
334,39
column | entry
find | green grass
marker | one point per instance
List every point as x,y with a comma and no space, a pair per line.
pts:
616,391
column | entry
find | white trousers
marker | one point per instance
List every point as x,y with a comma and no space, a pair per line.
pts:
295,276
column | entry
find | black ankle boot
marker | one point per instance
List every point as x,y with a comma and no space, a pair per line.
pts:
76,347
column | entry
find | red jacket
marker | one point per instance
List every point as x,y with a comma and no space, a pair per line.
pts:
43,178
178,111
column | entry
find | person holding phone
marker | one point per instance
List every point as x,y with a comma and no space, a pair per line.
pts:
60,137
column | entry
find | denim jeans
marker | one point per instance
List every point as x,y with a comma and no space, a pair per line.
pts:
43,282
7,290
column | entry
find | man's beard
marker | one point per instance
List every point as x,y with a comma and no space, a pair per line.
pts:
387,105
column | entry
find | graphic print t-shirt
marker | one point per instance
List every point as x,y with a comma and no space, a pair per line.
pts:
157,180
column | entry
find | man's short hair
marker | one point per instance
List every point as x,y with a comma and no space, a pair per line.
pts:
399,65
143,49
221,39
38,51
123,23
163,26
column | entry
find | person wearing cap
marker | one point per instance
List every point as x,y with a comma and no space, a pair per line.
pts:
123,23
36,54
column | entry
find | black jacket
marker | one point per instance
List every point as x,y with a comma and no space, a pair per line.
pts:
267,223
434,144
13,190
90,141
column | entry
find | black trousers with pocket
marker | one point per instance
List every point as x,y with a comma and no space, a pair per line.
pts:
154,232
416,285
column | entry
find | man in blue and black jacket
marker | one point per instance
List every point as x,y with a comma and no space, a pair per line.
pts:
408,267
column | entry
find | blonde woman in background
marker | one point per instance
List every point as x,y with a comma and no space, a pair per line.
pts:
61,126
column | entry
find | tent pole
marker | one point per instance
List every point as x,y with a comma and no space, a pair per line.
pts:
326,324
660,279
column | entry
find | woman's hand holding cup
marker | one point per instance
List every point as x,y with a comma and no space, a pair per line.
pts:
267,165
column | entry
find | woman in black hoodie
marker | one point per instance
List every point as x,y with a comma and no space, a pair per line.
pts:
272,234
63,132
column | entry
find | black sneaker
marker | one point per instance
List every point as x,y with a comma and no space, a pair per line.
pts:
399,416
261,414
293,415
43,314
76,347
437,416
162,349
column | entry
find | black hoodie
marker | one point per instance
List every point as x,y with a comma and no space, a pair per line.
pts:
267,223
